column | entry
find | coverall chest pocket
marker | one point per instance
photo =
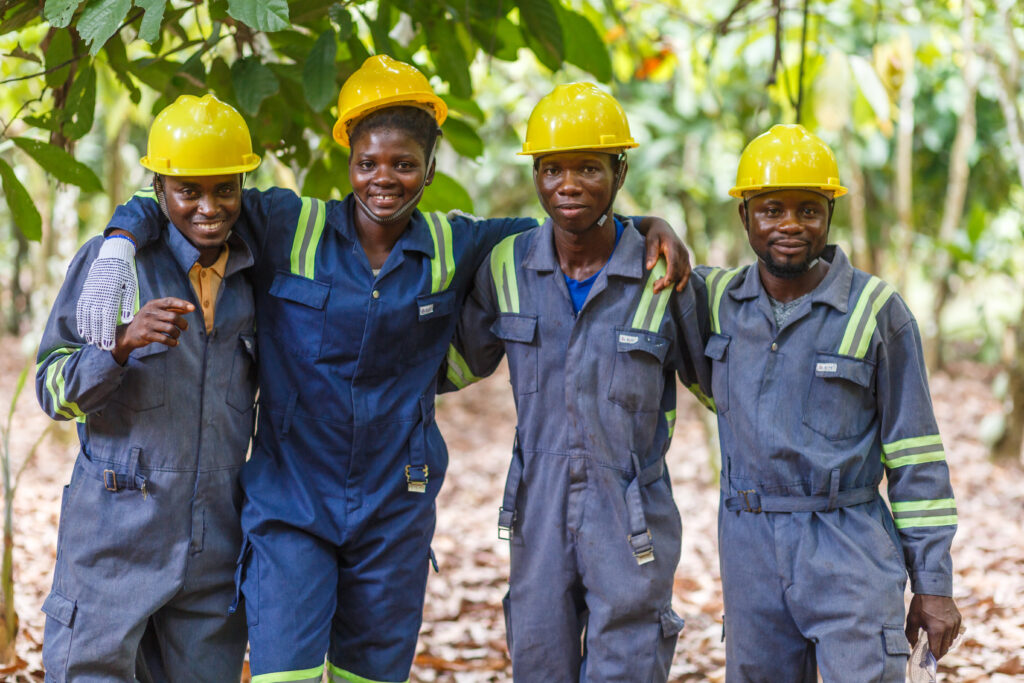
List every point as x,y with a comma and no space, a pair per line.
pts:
638,372
435,324
519,333
717,350
242,385
297,308
144,384
840,403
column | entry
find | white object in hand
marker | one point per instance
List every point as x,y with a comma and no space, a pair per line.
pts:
108,295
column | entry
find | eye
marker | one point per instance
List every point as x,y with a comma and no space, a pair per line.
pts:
365,165
811,211
405,166
771,211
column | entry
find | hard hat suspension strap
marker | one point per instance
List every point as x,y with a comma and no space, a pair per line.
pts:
406,209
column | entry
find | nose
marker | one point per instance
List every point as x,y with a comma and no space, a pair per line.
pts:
790,223
570,184
208,205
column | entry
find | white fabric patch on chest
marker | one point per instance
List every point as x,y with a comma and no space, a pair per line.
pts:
628,339
826,367
426,310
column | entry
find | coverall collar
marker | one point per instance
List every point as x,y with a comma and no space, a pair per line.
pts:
416,236
239,254
626,260
834,290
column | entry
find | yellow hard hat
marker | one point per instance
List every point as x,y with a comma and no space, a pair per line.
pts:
384,82
577,117
787,156
199,136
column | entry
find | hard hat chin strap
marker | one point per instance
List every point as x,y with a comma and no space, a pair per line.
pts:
621,165
406,209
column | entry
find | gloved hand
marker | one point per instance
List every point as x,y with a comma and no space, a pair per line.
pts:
108,295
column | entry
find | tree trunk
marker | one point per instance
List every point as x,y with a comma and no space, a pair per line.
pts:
904,237
861,256
956,189
1008,446
20,304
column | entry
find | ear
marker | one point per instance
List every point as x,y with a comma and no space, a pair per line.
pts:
623,169
743,216
430,173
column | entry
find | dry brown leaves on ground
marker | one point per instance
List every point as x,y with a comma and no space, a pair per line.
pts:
463,636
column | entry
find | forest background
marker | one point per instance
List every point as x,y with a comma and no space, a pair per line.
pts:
922,103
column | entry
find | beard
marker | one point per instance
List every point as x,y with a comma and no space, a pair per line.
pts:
789,271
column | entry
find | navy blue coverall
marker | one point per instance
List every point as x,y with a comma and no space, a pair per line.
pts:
347,460
595,533
811,416
149,530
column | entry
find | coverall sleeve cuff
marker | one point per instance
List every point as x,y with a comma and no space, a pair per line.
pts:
99,365
931,583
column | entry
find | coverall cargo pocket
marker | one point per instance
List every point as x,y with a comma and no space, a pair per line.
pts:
435,324
242,385
638,372
297,307
671,626
717,349
143,386
840,403
519,333
897,651
60,611
506,608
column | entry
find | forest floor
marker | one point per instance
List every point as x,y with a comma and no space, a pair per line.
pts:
463,636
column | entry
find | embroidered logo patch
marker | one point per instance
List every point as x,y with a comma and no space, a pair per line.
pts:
830,368
426,310
628,339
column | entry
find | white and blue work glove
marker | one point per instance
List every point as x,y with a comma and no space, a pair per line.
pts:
108,295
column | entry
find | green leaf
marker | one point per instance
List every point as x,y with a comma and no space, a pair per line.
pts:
99,20
24,212
585,48
379,28
58,52
17,392
50,120
117,59
253,82
445,194
463,138
358,51
18,17
262,15
499,37
218,9
465,106
80,107
20,53
450,59
871,87
150,29
59,12
318,72
340,16
543,33
60,164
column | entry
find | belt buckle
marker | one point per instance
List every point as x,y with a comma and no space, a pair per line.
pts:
417,486
746,501
110,480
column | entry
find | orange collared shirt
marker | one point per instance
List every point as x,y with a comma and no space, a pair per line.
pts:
206,284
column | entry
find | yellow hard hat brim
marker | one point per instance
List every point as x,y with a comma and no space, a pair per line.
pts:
163,167
430,103
740,191
607,149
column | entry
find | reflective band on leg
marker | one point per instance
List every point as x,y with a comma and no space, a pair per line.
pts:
301,676
918,513
336,675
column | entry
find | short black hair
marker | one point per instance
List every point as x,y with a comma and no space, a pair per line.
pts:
418,123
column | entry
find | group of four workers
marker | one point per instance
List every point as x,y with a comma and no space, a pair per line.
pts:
351,315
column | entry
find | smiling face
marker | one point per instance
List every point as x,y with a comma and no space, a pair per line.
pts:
575,188
386,168
787,229
204,209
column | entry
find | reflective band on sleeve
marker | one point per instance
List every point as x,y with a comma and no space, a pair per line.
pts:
308,230
704,399
336,675
651,308
503,272
459,373
146,193
670,418
717,281
864,319
442,266
313,675
913,451
918,513
55,383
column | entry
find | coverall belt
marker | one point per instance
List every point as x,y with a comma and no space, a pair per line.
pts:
751,501
117,477
640,536
507,511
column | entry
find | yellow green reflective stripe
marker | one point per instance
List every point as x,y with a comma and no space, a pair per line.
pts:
670,418
301,676
336,675
704,399
503,272
459,373
55,383
442,266
146,193
913,451
308,231
717,281
864,319
652,306
918,513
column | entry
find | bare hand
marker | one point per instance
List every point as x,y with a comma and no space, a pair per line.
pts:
663,241
940,619
160,320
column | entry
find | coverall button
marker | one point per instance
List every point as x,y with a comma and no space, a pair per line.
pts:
376,294
775,347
